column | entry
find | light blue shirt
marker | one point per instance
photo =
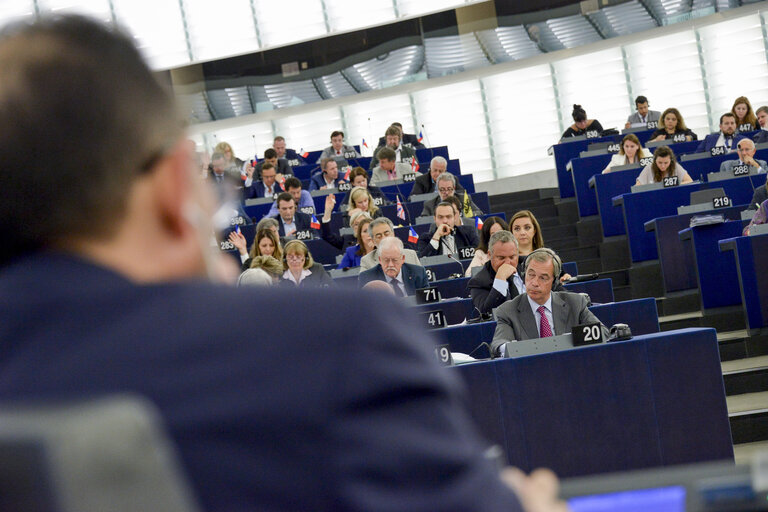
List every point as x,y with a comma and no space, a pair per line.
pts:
502,286
289,227
547,312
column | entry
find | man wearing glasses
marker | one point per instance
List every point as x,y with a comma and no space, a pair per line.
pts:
446,187
404,278
380,229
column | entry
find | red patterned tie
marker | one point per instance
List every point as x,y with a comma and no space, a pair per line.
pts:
544,328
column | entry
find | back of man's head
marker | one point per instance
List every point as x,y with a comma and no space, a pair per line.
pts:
84,117
386,153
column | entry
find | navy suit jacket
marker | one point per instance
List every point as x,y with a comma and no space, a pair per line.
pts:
257,190
414,277
318,181
302,221
710,141
255,408
762,136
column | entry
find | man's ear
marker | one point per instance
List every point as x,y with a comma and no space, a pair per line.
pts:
173,188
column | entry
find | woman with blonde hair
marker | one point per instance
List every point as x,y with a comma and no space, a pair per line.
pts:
630,152
229,156
746,120
301,270
360,198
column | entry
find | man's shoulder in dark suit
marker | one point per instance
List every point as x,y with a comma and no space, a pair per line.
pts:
416,275
423,184
372,274
762,136
108,318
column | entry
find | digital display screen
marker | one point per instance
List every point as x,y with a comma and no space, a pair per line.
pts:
662,499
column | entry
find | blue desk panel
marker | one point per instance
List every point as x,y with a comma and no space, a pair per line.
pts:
749,253
456,310
583,169
600,291
640,315
716,272
641,207
675,256
609,407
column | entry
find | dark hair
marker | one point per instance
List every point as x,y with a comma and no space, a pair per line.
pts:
336,133
578,114
359,234
727,114
357,171
454,201
284,196
443,203
680,126
663,151
640,100
270,153
386,153
324,163
59,87
292,182
485,232
266,165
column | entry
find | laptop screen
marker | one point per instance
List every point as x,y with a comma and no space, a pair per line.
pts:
661,499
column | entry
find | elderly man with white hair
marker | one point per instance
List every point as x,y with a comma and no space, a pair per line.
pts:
403,277
426,182
746,152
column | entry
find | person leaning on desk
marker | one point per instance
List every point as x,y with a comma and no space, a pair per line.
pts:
540,312
663,166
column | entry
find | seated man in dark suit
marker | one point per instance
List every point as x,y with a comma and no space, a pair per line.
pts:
426,183
267,187
280,164
540,312
498,280
404,154
289,155
447,237
446,187
409,139
328,177
302,197
130,311
746,151
726,137
762,122
290,222
403,277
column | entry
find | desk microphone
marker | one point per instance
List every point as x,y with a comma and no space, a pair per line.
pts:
461,266
479,346
582,277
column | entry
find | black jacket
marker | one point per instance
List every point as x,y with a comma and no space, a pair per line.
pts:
464,236
484,296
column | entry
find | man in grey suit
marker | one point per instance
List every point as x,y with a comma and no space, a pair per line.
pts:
388,168
746,151
540,312
643,115
378,230
446,187
403,277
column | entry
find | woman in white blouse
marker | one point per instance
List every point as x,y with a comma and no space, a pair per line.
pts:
630,152
663,166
